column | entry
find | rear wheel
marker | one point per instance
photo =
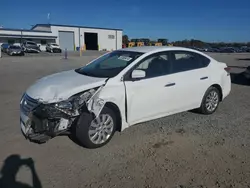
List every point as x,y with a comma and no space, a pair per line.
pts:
94,132
210,101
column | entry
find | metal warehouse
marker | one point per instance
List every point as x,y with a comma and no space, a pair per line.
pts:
67,36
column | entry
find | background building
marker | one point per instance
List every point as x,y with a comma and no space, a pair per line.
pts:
67,36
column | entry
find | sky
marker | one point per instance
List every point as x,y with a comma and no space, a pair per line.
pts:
207,20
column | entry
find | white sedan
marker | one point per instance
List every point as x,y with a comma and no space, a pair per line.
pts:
120,89
53,47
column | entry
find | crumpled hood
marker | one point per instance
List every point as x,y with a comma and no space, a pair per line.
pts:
61,86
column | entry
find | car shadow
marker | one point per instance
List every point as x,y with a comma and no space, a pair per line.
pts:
243,59
239,79
238,67
10,169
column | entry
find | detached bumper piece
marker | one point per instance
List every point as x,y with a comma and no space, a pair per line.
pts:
45,122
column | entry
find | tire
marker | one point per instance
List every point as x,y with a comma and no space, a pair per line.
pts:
204,109
83,127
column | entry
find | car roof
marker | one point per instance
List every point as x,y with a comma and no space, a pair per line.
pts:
155,49
146,49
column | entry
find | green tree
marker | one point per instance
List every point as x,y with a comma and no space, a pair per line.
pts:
125,39
163,41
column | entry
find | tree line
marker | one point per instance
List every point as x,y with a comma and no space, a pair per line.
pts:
186,43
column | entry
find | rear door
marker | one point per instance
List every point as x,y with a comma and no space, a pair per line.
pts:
192,76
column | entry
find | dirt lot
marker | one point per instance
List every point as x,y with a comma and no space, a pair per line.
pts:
185,150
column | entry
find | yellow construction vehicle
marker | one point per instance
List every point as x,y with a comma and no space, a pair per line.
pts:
158,44
140,43
131,44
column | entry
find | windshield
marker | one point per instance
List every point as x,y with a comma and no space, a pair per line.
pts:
31,43
54,44
15,47
110,64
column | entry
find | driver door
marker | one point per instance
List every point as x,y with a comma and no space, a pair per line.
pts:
150,97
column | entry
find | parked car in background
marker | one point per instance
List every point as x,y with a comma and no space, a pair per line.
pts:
120,89
15,50
53,48
245,49
30,46
4,47
227,50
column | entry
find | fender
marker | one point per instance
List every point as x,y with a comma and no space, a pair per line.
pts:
106,94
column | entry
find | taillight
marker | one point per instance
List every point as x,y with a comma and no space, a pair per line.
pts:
227,69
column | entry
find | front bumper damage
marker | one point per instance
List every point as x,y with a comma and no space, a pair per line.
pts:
46,121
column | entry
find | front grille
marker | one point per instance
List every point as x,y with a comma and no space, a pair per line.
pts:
28,104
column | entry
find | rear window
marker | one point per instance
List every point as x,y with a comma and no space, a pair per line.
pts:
186,60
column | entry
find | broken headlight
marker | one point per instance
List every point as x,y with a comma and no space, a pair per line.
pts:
64,105
75,102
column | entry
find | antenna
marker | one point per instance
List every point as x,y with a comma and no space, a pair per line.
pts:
48,17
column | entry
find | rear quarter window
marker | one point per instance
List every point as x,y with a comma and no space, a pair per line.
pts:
204,60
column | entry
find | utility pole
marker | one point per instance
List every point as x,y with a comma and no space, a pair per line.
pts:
21,36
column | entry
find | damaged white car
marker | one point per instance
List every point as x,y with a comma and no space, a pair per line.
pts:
120,89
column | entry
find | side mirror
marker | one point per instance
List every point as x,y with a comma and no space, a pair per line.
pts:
138,74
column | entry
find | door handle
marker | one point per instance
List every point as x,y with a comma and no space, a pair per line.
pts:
169,85
204,78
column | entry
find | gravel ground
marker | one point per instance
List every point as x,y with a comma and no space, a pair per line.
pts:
185,150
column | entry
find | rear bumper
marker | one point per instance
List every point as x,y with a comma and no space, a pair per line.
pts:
226,89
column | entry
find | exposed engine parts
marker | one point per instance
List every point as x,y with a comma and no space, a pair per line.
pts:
51,119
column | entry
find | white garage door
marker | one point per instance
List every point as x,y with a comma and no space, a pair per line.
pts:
66,40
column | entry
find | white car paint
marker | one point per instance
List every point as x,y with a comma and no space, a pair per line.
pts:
146,99
61,86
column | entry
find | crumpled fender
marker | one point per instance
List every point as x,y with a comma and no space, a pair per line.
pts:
106,94
95,104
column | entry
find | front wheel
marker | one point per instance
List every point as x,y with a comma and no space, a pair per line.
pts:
94,132
210,101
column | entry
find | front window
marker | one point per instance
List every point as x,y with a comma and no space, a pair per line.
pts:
110,64
31,43
15,47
